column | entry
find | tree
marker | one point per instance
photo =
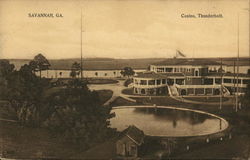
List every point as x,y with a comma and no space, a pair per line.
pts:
25,94
78,115
5,70
39,63
244,100
60,74
127,71
75,70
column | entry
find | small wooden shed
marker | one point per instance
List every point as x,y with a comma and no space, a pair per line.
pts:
128,142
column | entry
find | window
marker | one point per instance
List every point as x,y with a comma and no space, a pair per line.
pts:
180,81
158,81
163,81
170,81
143,91
227,80
151,82
160,69
246,81
143,82
196,73
168,69
218,80
235,80
208,81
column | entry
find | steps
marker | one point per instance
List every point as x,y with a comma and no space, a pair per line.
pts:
173,91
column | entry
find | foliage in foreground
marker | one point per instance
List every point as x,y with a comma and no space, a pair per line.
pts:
75,112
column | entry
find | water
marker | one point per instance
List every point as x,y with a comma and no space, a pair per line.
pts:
167,122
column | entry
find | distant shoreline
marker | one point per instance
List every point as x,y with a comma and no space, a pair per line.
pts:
118,64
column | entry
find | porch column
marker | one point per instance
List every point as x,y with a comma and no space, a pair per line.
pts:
155,82
174,80
213,80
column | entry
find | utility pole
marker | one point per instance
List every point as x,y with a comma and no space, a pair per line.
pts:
81,47
221,90
234,87
238,55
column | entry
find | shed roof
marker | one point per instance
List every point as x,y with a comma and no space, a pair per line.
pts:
134,133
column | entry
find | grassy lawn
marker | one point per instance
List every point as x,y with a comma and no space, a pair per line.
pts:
128,91
104,95
92,80
238,146
24,142
122,102
101,81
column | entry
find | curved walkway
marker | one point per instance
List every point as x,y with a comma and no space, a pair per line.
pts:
115,87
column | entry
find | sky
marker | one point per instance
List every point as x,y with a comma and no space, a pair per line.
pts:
123,28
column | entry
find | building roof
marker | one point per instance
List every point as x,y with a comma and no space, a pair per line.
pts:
151,74
228,74
173,74
241,62
176,61
134,133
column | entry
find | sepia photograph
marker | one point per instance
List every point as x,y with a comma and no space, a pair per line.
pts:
124,79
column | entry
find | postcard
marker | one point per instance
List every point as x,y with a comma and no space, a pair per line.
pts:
124,79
